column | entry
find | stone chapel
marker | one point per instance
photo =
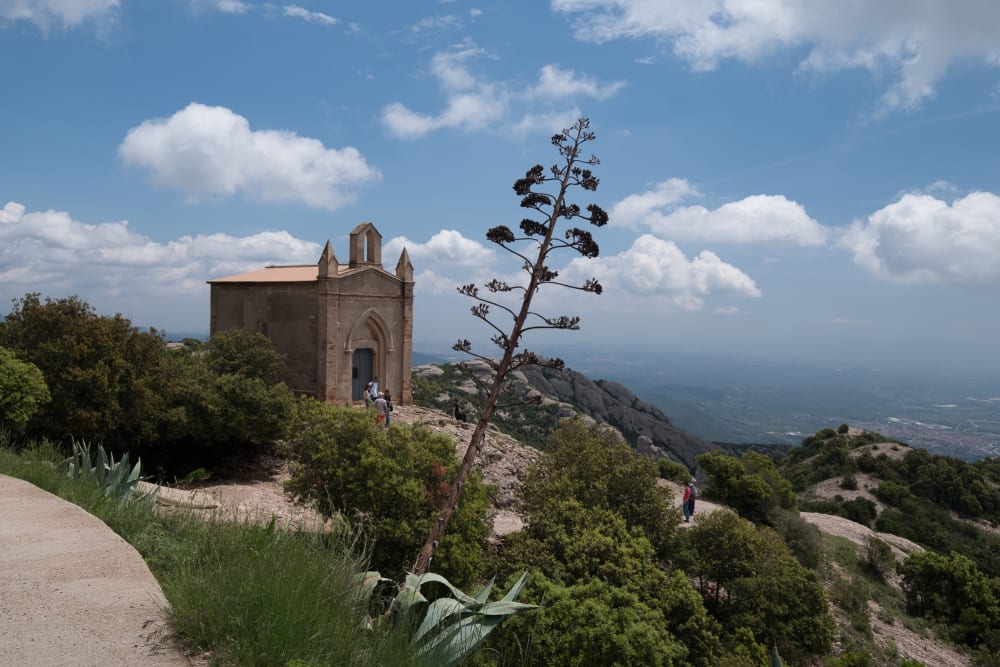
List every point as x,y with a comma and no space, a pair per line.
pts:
338,325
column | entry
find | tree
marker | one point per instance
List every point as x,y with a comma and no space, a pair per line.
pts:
954,590
750,579
751,484
100,370
572,171
22,391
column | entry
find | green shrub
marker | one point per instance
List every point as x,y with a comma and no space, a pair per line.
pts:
751,484
598,469
395,480
750,579
22,391
877,558
860,510
843,429
673,471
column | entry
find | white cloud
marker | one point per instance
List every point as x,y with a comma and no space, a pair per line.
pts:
446,248
917,42
67,13
550,122
436,24
656,269
557,83
49,251
402,123
636,209
922,239
11,212
312,17
449,68
224,6
475,104
210,151
727,310
757,218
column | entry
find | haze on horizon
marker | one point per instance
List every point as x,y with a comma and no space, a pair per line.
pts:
816,181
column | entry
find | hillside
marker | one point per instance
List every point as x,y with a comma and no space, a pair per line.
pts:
563,393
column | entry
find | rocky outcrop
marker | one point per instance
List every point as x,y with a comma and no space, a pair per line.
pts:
643,425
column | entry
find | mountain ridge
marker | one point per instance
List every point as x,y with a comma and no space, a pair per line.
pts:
561,394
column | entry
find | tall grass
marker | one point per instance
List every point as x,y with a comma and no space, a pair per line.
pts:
250,594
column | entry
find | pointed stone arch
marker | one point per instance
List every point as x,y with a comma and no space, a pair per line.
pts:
370,330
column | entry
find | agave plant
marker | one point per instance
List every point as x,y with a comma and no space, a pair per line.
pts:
116,478
449,629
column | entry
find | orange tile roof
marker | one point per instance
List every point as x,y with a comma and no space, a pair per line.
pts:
305,273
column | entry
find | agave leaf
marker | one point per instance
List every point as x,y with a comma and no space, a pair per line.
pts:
133,477
101,467
408,597
505,608
438,610
429,577
483,594
460,640
515,590
369,581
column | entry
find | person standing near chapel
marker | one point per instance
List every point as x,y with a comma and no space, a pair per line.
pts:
388,406
381,410
687,504
373,387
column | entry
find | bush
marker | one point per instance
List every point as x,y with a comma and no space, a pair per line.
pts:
673,471
395,480
952,589
598,469
860,510
22,391
803,538
750,579
877,558
751,484
843,429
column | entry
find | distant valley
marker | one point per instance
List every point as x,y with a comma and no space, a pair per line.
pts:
754,400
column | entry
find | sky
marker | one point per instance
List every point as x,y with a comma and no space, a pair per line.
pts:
786,179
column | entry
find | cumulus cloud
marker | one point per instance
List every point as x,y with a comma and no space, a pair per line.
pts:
916,42
312,17
658,270
210,151
635,210
758,218
66,13
922,239
446,248
555,83
51,252
474,103
11,212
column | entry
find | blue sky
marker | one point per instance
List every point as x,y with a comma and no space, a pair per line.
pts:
787,179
